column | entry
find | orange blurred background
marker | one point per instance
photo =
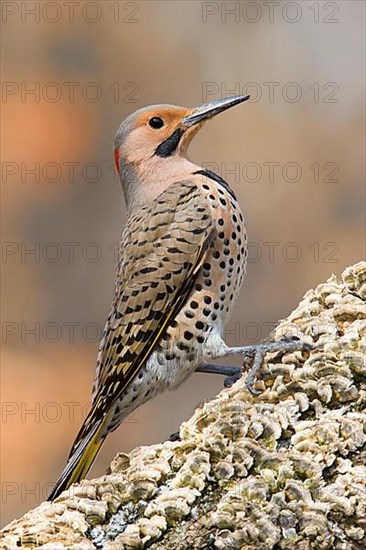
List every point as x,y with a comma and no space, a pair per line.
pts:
294,155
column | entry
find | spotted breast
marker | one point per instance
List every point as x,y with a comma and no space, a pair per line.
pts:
196,332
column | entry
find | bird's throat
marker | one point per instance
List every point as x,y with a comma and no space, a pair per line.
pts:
143,182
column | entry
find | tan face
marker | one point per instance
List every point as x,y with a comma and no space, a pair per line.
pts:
152,128
151,144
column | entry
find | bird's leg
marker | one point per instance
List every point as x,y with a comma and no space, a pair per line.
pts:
232,373
254,355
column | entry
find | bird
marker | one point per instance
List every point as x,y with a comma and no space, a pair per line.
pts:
181,262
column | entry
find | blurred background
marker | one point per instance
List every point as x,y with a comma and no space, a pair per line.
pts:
294,155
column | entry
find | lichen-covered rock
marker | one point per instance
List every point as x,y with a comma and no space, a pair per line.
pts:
285,469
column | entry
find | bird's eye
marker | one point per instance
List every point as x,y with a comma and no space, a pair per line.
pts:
156,122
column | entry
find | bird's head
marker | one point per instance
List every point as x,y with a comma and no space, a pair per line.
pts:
150,146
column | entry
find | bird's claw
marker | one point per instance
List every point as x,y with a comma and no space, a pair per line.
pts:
253,357
230,380
174,437
286,345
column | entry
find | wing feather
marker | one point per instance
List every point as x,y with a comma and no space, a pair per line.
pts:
162,250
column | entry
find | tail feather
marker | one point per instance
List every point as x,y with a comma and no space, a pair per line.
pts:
80,461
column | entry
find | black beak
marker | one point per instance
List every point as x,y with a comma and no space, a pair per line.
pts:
209,110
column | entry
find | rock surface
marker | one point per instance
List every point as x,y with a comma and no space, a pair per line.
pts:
285,469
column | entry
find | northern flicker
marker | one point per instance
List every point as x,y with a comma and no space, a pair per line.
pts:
182,260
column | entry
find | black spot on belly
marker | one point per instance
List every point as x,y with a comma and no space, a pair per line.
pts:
182,347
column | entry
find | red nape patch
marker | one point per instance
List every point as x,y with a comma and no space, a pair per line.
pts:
116,159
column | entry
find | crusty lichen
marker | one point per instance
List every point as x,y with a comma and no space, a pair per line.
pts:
284,469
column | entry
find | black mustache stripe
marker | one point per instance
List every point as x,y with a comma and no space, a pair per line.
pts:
167,147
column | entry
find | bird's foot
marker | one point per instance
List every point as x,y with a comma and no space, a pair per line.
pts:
253,357
256,356
174,437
